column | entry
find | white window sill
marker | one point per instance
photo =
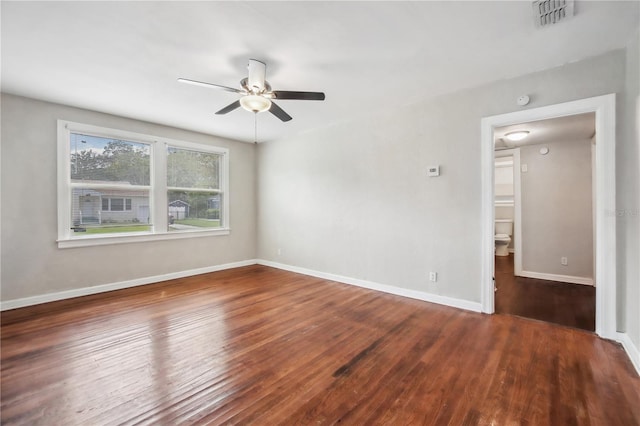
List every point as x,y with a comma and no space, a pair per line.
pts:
101,240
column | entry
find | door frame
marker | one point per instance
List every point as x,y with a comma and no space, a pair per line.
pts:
605,201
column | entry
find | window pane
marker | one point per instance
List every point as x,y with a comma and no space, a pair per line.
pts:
108,160
102,211
192,169
117,204
193,210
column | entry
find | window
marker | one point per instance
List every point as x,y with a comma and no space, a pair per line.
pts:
193,179
116,186
116,204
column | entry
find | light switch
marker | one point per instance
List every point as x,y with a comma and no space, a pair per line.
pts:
433,171
524,168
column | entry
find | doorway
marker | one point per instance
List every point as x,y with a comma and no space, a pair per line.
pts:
544,258
605,237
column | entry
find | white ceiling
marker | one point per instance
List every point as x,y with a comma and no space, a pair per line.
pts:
579,127
124,57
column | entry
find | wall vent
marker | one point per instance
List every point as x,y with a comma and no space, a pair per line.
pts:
549,12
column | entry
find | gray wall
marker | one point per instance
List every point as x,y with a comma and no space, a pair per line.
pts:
31,262
557,209
353,199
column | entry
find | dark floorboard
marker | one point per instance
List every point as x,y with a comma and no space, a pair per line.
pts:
572,305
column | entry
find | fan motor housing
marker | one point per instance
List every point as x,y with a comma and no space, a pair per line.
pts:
244,83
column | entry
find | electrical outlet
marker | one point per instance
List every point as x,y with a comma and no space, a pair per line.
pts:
564,261
279,252
433,276
433,171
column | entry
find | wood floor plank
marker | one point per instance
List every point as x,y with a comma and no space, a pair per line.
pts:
257,345
573,305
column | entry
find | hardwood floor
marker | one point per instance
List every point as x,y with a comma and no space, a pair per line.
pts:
573,305
257,345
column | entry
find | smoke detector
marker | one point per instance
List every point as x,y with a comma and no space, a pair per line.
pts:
549,12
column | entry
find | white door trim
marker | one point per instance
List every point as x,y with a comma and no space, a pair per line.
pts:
605,237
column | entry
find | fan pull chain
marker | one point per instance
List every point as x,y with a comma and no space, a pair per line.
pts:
255,127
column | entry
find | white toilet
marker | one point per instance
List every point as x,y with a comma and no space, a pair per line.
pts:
504,231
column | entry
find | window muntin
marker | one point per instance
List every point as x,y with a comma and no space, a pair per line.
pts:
116,185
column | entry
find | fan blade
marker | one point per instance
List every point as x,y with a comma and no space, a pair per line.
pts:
257,73
305,96
210,85
229,108
279,112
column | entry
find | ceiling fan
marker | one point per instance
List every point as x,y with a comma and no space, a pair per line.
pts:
257,94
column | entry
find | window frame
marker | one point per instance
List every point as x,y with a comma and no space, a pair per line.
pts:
157,189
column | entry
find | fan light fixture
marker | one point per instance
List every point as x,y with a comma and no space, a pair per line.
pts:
255,103
517,135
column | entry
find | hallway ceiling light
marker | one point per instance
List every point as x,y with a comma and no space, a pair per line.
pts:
517,135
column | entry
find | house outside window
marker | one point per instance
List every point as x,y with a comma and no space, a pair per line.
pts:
116,186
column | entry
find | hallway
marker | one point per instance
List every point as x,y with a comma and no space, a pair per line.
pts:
572,305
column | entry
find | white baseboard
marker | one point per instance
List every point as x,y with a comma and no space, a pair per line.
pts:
631,350
555,277
398,291
85,291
